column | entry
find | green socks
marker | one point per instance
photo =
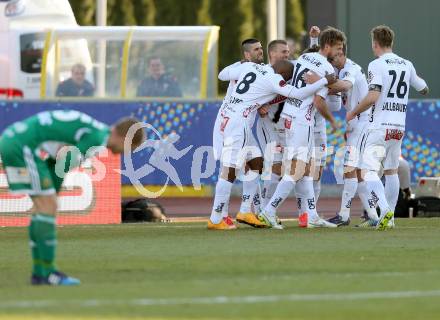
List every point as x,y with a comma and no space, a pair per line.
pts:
43,242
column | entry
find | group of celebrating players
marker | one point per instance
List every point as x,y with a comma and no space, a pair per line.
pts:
291,101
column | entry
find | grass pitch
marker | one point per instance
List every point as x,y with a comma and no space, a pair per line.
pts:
183,271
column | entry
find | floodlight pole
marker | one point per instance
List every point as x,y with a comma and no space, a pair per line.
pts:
271,20
281,19
276,19
101,20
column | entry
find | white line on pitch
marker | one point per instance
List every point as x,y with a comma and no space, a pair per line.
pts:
221,299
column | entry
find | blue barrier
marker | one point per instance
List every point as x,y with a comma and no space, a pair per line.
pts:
193,122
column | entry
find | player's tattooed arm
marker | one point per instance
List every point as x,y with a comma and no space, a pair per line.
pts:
365,104
375,87
340,86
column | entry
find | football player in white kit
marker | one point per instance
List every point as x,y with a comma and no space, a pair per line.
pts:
252,51
389,78
257,85
270,130
298,118
353,87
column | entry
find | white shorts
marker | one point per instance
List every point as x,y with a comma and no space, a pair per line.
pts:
269,135
320,146
355,138
381,147
239,144
299,141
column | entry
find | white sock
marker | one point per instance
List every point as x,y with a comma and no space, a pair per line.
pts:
309,199
392,186
269,187
300,193
363,195
282,191
221,199
376,192
350,186
317,189
250,185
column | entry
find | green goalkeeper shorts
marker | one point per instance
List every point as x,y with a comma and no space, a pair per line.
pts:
27,170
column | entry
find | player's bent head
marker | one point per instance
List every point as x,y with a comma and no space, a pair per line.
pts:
383,36
331,37
120,131
284,68
314,48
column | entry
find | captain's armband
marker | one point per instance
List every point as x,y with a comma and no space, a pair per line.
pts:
375,87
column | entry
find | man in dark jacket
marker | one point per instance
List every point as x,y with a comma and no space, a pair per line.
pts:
77,85
158,84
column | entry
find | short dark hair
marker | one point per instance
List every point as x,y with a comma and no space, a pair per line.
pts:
383,35
245,43
331,36
314,48
272,45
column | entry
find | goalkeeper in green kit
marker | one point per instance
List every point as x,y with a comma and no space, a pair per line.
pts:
35,153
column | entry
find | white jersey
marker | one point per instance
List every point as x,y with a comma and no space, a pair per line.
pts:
257,84
353,73
302,110
392,75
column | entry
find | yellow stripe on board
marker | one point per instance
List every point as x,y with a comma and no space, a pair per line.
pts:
43,71
170,191
124,71
205,62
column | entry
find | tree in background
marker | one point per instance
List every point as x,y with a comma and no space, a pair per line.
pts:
238,19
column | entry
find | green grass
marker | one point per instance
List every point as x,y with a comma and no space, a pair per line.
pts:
120,264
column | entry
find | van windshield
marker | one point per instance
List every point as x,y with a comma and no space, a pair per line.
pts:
31,52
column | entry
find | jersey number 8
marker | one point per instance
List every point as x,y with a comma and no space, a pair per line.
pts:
245,84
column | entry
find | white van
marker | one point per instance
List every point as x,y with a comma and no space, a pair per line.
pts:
23,28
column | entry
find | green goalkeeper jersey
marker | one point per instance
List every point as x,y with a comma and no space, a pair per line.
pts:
51,130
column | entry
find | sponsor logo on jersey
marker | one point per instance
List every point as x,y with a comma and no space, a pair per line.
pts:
234,100
295,102
394,134
287,123
395,61
311,60
370,77
283,83
394,106
277,99
260,68
308,115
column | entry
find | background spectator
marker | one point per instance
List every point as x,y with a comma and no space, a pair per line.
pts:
158,83
77,85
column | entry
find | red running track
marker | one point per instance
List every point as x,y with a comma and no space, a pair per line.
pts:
201,207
